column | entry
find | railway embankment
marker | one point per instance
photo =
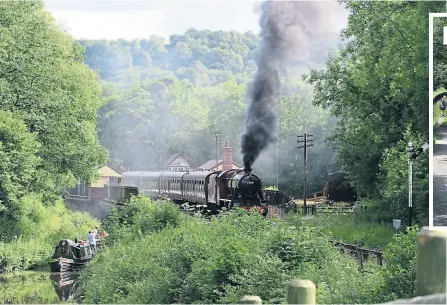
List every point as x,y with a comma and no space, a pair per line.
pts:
160,255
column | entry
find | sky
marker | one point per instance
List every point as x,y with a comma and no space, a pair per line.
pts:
101,19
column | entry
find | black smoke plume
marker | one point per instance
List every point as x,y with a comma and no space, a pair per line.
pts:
285,30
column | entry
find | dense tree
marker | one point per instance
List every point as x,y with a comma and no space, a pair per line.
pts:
439,54
44,81
193,86
18,160
214,56
378,87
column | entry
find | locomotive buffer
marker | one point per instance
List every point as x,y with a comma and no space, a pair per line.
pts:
303,142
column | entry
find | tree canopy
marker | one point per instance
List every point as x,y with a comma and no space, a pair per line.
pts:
378,88
48,88
164,97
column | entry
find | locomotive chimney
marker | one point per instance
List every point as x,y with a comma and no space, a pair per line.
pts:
227,157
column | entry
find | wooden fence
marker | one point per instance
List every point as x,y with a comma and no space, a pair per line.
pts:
312,210
360,253
430,275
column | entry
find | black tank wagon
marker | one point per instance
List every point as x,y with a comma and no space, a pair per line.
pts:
338,189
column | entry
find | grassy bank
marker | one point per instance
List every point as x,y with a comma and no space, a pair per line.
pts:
162,256
30,238
347,228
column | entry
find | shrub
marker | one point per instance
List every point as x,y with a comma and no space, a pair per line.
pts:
18,160
139,217
400,266
192,260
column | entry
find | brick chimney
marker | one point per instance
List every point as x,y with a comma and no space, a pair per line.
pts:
227,157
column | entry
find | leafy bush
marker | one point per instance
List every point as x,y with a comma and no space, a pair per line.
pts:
174,258
30,240
18,159
140,216
400,267
394,181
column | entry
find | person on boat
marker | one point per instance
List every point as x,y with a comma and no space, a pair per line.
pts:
92,242
96,231
265,211
77,248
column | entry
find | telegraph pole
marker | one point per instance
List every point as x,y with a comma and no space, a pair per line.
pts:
306,139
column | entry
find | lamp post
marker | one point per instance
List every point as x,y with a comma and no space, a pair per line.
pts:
410,182
413,154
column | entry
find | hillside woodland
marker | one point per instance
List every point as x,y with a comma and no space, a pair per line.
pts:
163,97
362,97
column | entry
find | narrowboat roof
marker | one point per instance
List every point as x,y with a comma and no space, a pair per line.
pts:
68,241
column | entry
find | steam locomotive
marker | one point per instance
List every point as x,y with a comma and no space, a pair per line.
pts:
215,190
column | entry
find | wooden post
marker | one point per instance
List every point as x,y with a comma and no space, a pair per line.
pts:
251,299
431,262
301,292
379,259
361,259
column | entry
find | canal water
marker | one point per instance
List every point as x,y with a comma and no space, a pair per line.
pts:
37,287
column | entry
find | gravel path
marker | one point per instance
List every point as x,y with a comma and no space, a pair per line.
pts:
440,178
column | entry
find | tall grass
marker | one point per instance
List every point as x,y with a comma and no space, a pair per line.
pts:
352,229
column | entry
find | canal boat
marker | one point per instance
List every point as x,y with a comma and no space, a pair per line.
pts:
70,256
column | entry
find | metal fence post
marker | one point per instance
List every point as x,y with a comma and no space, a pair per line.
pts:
431,261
